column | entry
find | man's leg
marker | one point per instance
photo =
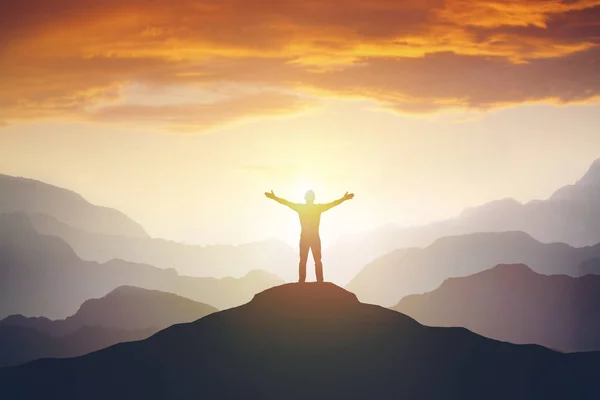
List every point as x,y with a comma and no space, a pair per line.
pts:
304,247
316,252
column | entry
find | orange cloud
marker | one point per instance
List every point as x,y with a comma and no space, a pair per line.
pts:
448,80
203,116
497,13
61,58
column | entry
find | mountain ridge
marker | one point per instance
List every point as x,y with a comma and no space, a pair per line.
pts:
415,270
30,195
191,260
570,215
37,271
125,314
513,303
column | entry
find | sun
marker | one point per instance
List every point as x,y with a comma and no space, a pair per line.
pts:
305,185
298,186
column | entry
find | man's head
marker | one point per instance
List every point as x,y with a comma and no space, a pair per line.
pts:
309,196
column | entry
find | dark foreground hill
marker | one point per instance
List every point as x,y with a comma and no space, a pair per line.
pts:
19,344
125,314
310,341
515,304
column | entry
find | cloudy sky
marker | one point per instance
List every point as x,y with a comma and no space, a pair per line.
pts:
182,114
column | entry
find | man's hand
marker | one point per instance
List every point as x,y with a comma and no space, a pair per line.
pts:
348,196
270,195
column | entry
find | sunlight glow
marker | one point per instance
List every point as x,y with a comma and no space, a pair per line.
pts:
304,187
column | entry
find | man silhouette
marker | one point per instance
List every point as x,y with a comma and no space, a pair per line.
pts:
310,218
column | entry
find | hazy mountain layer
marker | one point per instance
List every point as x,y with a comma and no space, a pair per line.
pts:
126,307
512,303
40,275
125,314
571,215
409,271
194,260
31,196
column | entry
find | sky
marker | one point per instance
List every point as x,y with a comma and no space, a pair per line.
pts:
182,114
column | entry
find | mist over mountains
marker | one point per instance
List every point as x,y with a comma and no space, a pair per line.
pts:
414,270
309,340
126,307
193,260
571,215
125,314
31,196
40,275
515,304
300,341
101,234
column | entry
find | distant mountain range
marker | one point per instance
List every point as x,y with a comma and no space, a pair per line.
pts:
514,304
413,270
31,196
125,314
126,307
301,341
101,234
571,215
193,260
40,275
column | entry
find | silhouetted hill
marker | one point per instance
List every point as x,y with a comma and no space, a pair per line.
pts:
515,304
19,345
408,271
591,266
571,215
300,341
41,276
126,307
193,260
125,314
31,196
129,307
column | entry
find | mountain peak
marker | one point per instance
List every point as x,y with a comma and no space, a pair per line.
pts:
500,206
131,308
32,196
479,238
311,297
504,272
512,268
511,272
592,177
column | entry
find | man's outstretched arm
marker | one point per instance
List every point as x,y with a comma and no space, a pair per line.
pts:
347,196
285,202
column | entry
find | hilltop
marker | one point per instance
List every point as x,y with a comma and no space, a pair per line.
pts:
299,341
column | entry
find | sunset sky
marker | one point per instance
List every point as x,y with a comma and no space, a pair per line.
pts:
183,113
